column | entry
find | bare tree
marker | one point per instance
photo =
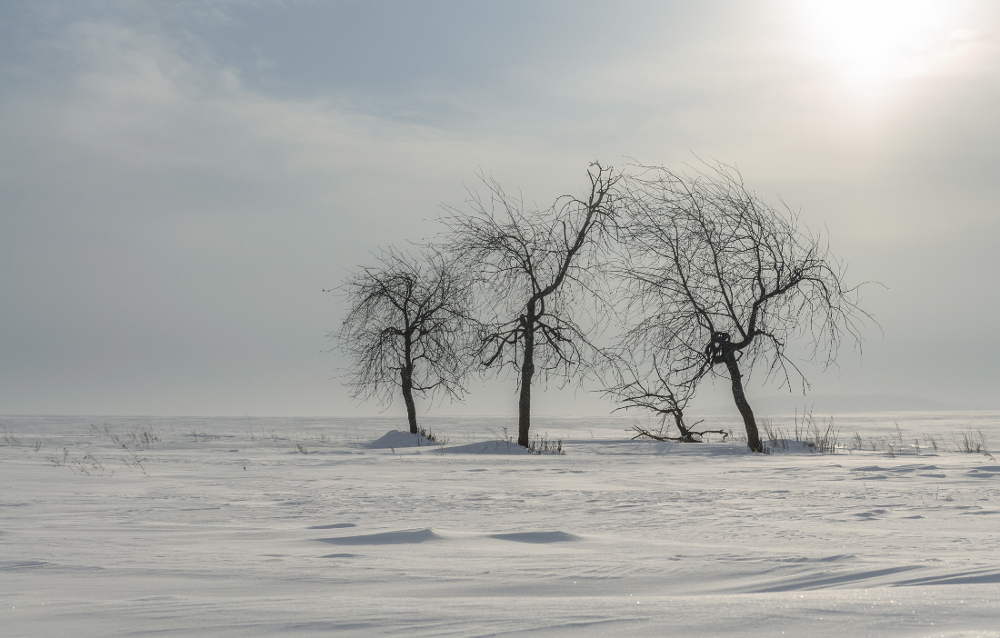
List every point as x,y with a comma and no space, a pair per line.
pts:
406,328
535,270
718,281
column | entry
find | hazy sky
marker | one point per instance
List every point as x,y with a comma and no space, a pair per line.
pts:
179,181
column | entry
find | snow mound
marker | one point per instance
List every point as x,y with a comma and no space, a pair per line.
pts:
403,537
536,537
487,447
395,438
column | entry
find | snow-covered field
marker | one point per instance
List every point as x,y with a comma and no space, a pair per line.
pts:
215,526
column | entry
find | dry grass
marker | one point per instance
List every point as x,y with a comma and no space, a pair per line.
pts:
545,446
429,435
819,437
8,436
973,442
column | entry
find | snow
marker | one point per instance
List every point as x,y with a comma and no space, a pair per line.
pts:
394,438
224,527
486,447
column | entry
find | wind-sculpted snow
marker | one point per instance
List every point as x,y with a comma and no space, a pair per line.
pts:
395,438
384,538
984,472
536,537
487,447
225,527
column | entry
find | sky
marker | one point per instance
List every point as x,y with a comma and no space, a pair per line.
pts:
181,181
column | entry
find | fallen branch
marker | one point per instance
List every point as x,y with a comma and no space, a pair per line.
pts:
683,438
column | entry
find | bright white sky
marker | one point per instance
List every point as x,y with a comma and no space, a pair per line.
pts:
180,180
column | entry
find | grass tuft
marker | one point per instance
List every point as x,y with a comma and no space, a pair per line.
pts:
974,443
545,446
818,437
430,436
8,436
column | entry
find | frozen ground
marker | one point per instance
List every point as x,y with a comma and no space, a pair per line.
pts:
212,526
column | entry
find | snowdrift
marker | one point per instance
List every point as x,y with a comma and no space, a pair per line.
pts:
487,447
395,438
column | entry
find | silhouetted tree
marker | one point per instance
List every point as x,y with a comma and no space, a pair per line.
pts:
535,271
718,281
406,328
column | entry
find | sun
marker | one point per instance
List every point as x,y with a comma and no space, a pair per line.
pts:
871,42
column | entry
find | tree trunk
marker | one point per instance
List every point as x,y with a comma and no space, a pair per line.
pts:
527,372
753,438
411,409
686,435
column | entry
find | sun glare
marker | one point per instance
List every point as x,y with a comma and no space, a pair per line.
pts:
870,42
